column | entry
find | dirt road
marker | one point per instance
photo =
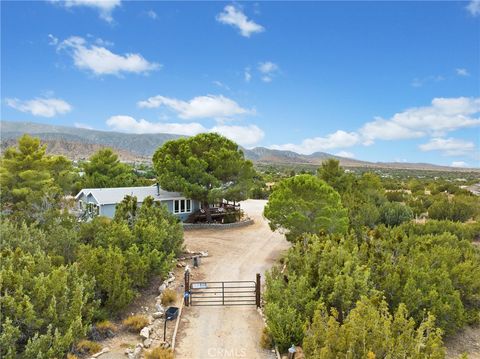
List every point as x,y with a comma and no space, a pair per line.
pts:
234,254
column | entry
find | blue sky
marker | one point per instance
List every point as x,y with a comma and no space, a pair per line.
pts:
377,81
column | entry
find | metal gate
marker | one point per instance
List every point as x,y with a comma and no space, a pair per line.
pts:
233,292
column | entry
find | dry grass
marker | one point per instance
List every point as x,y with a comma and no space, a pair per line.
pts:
71,356
168,296
266,341
87,347
135,323
159,353
105,327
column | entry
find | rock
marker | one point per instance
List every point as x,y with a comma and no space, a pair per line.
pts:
137,352
158,315
147,343
145,333
204,254
162,288
159,307
103,351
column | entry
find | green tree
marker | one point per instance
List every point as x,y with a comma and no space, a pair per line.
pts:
370,331
459,209
104,169
25,177
305,204
207,167
127,210
331,172
63,174
395,213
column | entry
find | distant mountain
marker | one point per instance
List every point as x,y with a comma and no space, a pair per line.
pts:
142,146
79,143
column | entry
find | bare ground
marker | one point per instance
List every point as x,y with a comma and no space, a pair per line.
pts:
465,341
234,254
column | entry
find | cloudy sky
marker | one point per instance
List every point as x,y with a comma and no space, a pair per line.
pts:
377,81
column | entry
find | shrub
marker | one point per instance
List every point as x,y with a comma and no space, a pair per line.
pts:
169,296
159,353
88,347
135,323
266,340
106,325
102,330
394,213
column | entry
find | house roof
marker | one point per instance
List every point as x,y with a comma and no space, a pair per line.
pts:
116,195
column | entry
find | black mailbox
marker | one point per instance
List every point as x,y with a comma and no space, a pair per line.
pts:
171,313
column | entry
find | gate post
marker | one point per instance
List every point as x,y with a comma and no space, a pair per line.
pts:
186,297
223,293
257,291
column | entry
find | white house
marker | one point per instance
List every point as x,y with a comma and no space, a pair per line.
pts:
103,201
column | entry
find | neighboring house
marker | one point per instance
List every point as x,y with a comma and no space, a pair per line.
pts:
93,202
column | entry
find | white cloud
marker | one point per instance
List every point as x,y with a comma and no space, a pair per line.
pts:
338,139
268,69
462,72
244,135
419,82
221,84
473,7
83,125
102,61
44,107
449,146
129,124
104,7
210,106
152,14
444,115
459,164
386,130
104,43
235,17
345,154
247,75
52,40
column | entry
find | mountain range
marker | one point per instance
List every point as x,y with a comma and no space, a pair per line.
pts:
80,143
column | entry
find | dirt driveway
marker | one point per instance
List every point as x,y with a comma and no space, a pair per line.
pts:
234,254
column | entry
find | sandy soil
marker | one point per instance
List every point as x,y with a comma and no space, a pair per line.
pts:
465,341
234,254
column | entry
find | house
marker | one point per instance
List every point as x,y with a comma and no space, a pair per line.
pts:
93,202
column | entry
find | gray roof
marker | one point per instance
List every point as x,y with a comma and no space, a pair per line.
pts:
116,195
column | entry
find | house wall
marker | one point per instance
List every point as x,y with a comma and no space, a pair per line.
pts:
182,216
108,210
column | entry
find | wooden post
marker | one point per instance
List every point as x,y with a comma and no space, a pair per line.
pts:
257,291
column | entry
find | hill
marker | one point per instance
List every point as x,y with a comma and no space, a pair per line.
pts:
79,143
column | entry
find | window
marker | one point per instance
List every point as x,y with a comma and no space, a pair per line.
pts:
182,206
